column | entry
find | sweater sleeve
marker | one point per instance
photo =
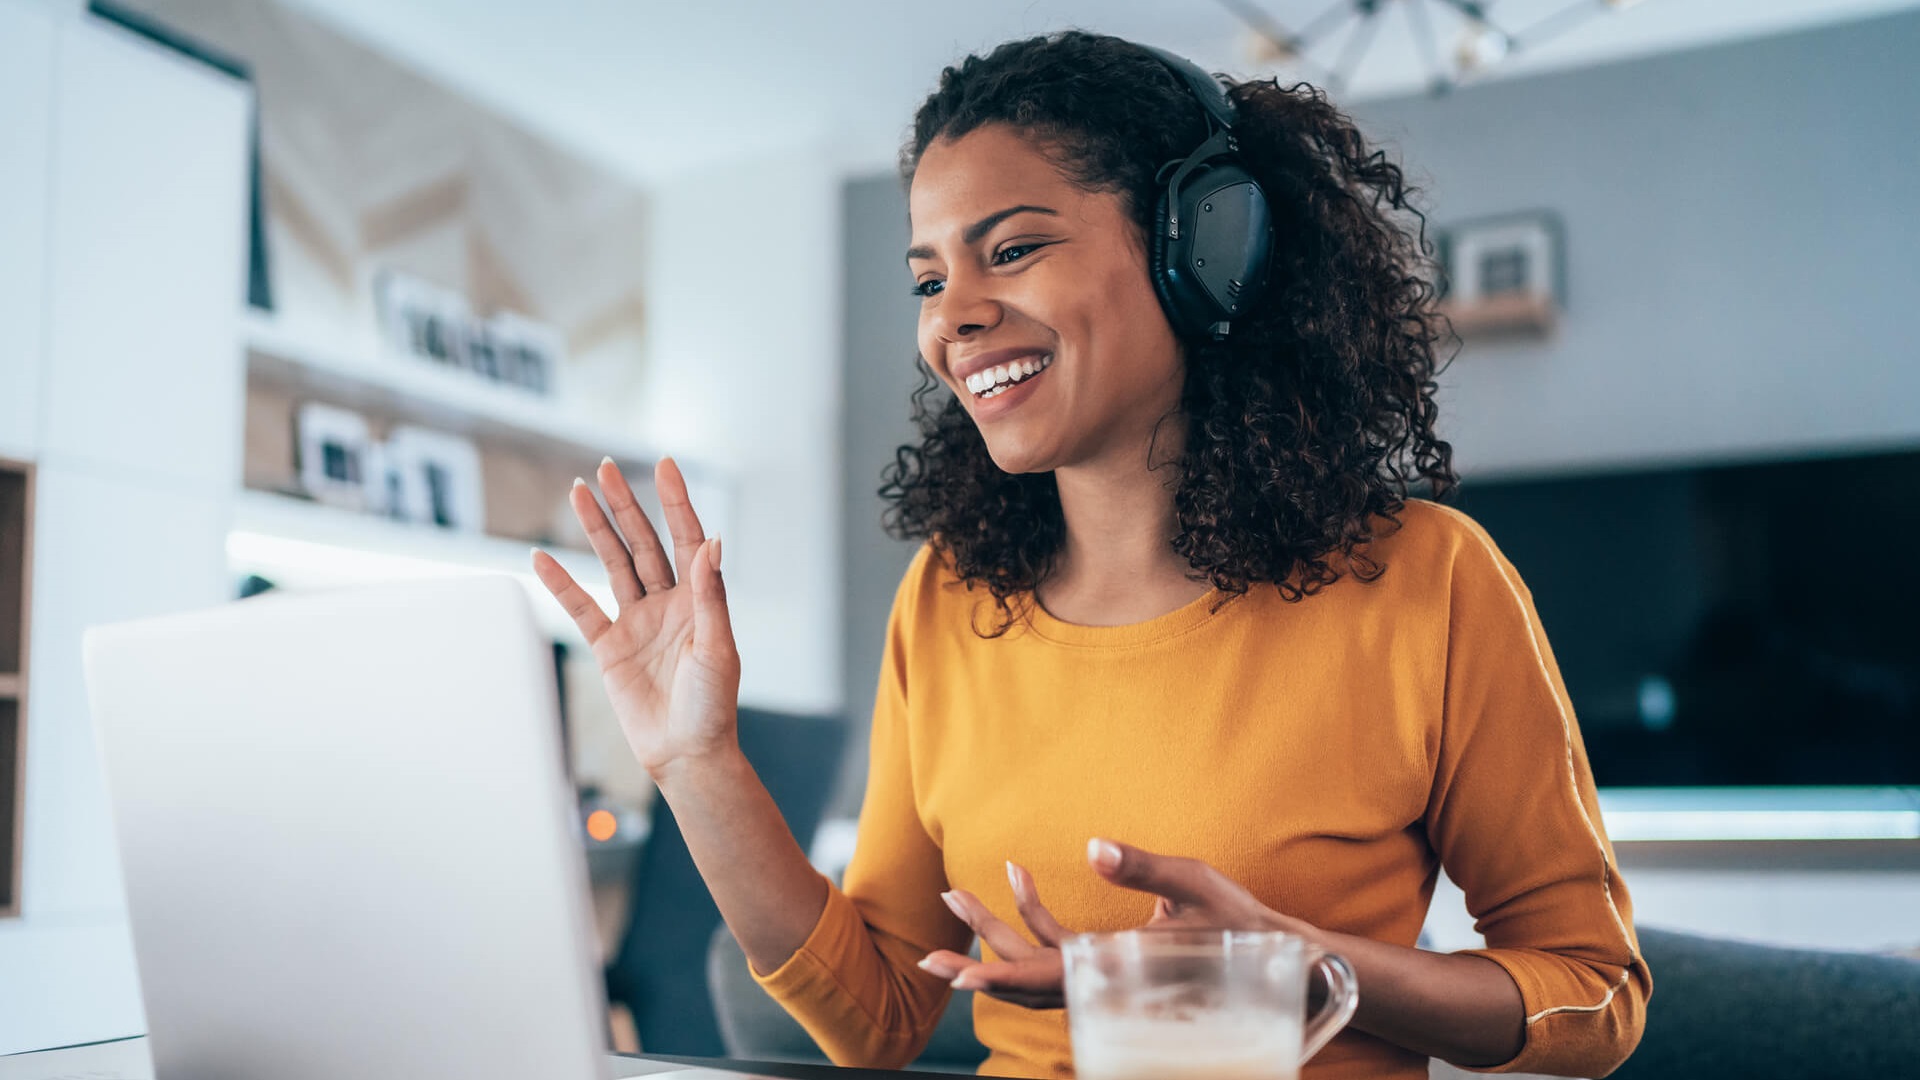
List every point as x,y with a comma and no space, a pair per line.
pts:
1516,821
855,984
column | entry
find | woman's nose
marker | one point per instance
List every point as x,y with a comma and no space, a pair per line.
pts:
966,307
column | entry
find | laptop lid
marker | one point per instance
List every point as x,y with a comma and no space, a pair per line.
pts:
348,842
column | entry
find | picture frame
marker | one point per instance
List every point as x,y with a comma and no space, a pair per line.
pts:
526,353
1503,275
437,479
335,454
423,321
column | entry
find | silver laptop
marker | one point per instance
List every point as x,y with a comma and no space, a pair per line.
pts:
350,848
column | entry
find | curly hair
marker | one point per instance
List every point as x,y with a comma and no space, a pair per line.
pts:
1315,419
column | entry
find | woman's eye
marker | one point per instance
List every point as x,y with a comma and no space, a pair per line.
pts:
1016,251
927,288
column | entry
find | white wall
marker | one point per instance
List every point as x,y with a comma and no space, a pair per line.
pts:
26,89
135,428
743,377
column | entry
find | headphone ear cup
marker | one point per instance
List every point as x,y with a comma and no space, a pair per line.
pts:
1217,269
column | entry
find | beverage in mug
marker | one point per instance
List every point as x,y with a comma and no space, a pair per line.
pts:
1223,1046
1199,1004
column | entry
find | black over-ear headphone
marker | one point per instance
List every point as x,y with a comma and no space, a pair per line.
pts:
1212,230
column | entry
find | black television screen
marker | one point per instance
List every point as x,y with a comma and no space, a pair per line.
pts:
1749,624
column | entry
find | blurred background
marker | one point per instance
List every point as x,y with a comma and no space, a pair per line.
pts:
305,293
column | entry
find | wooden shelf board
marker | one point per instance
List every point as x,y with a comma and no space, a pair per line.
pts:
1494,316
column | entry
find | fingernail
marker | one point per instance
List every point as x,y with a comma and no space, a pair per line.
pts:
953,904
716,553
962,982
1013,878
533,553
608,460
1104,854
577,482
925,964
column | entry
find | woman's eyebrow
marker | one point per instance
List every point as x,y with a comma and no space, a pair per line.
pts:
982,227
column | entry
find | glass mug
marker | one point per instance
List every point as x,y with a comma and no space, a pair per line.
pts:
1199,1004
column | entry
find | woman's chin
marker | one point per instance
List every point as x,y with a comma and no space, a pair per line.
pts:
1020,456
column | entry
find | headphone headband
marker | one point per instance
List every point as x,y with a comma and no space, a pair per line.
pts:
1213,230
1206,89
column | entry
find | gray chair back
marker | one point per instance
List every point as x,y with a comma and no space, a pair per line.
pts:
659,971
1728,1008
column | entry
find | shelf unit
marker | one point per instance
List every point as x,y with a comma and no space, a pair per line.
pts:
297,543
420,393
16,578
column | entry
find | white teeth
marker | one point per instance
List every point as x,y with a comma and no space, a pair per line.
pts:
996,380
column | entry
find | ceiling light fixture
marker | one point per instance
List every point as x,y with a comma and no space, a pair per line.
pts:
1482,43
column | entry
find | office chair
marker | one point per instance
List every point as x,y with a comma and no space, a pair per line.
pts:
660,970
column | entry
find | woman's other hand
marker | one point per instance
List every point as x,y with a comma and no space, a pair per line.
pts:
1026,974
1188,893
667,656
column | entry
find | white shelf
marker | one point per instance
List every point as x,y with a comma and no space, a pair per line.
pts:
421,393
305,545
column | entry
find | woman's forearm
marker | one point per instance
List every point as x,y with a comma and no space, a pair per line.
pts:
1460,1008
768,893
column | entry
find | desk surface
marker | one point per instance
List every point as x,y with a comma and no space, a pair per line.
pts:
128,1059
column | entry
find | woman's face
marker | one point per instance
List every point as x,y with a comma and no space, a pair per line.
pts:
1021,270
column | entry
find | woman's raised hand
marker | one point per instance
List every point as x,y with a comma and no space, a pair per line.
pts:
667,656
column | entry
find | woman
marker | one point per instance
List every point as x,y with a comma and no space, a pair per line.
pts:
1178,649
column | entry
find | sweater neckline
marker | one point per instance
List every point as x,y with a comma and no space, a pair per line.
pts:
1189,616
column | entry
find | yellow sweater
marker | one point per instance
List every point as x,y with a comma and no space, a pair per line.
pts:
1330,755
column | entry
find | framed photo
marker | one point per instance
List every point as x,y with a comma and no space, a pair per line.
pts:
1503,275
526,353
335,451
437,479
421,320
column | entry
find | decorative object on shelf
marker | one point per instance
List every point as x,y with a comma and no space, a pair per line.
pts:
1503,275
422,320
1479,42
525,353
336,451
439,478
386,483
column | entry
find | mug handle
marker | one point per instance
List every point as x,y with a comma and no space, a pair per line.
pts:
1343,997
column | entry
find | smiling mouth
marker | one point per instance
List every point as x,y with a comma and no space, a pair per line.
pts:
997,380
